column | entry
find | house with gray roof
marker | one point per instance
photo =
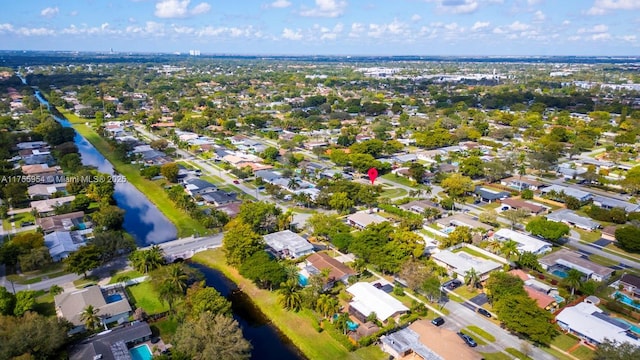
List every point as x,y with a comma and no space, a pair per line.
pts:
220,198
581,195
457,264
405,342
62,243
569,217
561,261
611,203
195,186
112,344
363,219
112,306
287,244
490,195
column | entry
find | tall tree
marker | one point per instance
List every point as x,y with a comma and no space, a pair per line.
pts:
212,336
457,185
32,336
509,248
613,350
7,302
289,296
90,317
573,280
471,278
240,242
83,260
147,260
170,172
515,217
201,299
327,305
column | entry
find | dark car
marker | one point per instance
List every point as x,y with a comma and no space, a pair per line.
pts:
236,182
484,312
437,321
27,223
454,284
468,340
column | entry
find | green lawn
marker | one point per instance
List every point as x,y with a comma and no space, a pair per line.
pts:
153,190
124,276
564,341
599,259
589,236
18,219
517,353
165,328
495,356
402,181
482,333
45,305
465,292
144,296
296,326
394,193
559,355
583,353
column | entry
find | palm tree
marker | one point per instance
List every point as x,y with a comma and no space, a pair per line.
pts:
147,260
171,283
342,323
293,184
573,280
327,305
509,248
471,278
290,297
177,278
494,246
90,317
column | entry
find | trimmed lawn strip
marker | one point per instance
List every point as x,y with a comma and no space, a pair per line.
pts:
152,190
564,341
124,276
296,326
583,352
559,355
402,181
495,356
144,296
482,333
517,354
465,292
589,236
165,328
394,193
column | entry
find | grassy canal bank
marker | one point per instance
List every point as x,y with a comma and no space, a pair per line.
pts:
153,190
296,326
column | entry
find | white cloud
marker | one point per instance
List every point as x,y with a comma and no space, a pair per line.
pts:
169,9
416,17
534,2
457,6
597,29
395,28
629,38
539,16
479,25
566,22
291,34
600,36
49,12
326,8
280,4
517,26
601,7
73,13
356,30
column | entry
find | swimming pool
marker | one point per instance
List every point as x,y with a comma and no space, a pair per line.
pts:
351,325
141,352
634,328
559,273
626,299
113,298
448,230
303,280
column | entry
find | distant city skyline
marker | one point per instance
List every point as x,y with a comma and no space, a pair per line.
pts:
327,27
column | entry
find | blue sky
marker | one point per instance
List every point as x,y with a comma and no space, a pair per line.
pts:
339,27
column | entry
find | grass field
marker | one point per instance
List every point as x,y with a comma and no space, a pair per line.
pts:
45,305
296,326
144,296
402,181
583,353
465,292
165,328
517,353
589,236
495,356
393,193
18,219
152,190
564,341
482,333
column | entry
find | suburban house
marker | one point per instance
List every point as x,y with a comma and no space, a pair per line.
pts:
593,325
422,340
220,198
31,145
489,195
63,243
317,262
368,299
48,206
582,196
287,244
610,203
517,204
112,307
41,173
362,219
195,187
525,242
63,222
113,344
457,264
569,217
631,284
45,191
462,220
420,206
546,297
559,262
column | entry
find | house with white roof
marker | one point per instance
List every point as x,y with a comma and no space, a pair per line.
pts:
525,242
62,243
582,196
593,325
362,219
287,244
368,299
457,264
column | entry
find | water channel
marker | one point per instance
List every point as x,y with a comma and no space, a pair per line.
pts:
142,219
268,343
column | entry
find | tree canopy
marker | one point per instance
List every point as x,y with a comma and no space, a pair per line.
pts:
547,229
212,336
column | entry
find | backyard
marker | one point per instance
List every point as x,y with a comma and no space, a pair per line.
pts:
144,296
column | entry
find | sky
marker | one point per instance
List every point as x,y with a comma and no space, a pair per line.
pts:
326,27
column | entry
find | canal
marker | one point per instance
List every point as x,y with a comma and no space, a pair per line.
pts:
268,343
142,219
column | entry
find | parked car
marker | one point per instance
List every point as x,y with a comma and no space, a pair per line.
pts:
437,321
484,312
236,182
454,284
468,340
27,223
